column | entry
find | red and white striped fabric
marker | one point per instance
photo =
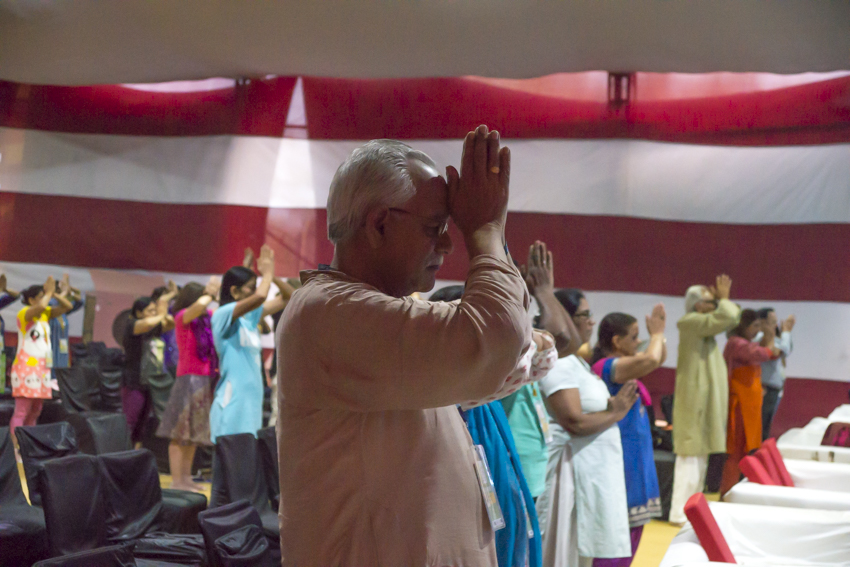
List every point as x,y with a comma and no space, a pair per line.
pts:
747,174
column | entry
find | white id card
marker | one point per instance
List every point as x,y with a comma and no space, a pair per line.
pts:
488,491
543,418
63,346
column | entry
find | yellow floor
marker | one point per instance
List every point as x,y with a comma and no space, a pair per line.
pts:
654,543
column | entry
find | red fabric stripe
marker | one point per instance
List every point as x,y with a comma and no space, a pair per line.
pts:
814,113
779,262
258,107
441,108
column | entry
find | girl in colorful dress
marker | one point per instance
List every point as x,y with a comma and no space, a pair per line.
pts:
238,400
186,420
31,376
616,360
743,361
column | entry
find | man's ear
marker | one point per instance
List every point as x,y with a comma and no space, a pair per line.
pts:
376,226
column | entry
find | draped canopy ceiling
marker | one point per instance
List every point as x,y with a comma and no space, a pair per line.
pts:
83,42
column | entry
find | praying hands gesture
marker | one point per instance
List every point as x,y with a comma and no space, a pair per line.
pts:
656,321
722,287
478,196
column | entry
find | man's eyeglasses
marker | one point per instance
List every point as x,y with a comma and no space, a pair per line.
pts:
438,230
587,314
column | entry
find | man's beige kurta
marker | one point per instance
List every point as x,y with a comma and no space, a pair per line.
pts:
376,465
701,399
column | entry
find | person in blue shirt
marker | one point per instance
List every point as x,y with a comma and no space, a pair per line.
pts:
518,543
238,398
59,329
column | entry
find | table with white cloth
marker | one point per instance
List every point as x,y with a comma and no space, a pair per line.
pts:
805,442
770,535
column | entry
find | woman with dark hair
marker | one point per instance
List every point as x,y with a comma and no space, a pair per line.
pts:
583,507
186,419
143,357
31,368
743,359
7,296
238,401
617,361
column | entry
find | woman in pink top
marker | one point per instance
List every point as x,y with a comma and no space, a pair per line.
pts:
186,420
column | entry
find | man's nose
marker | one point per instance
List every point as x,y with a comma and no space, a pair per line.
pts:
444,244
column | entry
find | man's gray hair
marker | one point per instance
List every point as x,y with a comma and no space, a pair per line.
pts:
374,175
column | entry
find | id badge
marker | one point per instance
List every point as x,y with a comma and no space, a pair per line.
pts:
544,421
63,346
488,490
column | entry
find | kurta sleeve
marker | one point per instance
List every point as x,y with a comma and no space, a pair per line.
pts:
747,353
374,352
709,324
533,366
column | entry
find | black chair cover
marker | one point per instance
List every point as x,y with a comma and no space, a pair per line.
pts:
109,369
99,432
78,389
664,463
218,522
7,409
132,496
73,502
180,509
267,439
237,475
52,411
245,547
237,472
11,492
23,537
40,443
112,556
171,548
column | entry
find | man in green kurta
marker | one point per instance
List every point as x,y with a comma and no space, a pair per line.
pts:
701,399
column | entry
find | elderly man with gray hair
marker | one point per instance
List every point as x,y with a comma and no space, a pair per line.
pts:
701,398
376,466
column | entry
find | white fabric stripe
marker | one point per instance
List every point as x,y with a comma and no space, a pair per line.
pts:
820,346
679,182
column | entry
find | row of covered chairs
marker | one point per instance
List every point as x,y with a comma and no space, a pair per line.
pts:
785,512
245,469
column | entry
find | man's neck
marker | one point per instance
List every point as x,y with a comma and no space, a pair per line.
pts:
357,266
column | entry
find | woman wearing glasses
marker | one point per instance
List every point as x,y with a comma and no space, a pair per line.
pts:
701,399
583,509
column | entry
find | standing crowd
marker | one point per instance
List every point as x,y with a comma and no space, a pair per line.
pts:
458,431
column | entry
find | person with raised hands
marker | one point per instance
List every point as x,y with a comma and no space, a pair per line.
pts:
7,297
186,419
31,378
143,356
701,396
525,409
238,398
620,359
59,331
369,377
